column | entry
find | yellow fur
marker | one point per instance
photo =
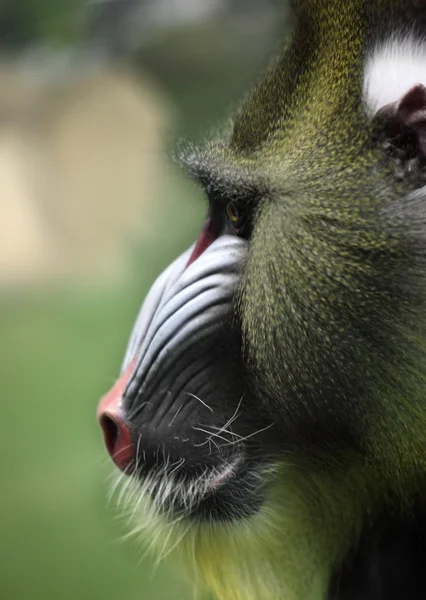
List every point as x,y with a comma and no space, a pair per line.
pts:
285,551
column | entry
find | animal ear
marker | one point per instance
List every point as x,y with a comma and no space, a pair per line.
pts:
404,122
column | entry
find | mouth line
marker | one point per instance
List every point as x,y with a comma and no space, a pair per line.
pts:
177,493
221,477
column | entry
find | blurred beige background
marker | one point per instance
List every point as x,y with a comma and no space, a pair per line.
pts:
81,164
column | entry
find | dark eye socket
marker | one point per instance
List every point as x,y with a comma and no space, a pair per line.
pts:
236,216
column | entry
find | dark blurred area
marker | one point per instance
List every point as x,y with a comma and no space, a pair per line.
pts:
94,96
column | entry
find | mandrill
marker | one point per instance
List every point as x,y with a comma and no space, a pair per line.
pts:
271,411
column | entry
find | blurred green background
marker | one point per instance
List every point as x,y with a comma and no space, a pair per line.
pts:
93,95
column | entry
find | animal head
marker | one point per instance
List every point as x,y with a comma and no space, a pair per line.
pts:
270,410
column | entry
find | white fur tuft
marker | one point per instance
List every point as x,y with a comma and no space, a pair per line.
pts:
391,69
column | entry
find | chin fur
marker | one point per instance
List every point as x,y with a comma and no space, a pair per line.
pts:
282,550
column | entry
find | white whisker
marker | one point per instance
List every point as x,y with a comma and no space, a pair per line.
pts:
199,400
211,433
176,414
247,437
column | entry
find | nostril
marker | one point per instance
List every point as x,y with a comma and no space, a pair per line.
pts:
118,440
110,429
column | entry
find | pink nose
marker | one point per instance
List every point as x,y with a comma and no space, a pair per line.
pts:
117,435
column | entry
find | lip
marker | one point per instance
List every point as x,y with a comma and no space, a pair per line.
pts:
220,478
205,488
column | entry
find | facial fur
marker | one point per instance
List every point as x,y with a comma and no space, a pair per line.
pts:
271,400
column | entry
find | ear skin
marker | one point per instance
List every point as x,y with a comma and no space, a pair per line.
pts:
407,115
411,111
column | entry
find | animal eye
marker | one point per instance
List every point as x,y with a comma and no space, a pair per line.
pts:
236,216
233,213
